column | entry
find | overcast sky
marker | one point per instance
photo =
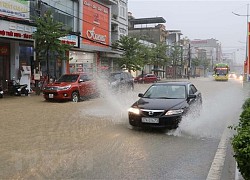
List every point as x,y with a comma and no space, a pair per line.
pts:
201,19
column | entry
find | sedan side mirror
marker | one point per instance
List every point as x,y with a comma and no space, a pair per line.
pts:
81,80
191,96
140,95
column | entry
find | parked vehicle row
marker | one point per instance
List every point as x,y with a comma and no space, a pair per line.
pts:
146,78
14,88
71,87
78,86
121,81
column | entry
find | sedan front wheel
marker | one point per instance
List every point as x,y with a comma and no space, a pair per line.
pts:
75,97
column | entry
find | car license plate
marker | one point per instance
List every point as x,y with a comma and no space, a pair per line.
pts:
150,120
51,95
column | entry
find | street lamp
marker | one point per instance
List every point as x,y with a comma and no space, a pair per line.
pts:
247,60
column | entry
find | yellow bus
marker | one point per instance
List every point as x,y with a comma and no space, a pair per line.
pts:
221,72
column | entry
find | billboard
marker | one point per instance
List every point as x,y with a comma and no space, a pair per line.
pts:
95,29
15,8
14,30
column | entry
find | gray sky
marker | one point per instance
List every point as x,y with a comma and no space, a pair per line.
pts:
201,19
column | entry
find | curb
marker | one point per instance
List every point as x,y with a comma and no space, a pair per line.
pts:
238,175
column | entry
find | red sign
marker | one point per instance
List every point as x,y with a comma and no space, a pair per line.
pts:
248,60
4,50
95,23
15,34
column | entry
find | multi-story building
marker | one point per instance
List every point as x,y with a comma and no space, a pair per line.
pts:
95,25
16,43
148,30
175,67
212,48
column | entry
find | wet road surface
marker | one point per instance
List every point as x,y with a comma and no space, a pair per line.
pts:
92,139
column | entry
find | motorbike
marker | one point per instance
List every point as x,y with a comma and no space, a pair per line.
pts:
14,88
1,91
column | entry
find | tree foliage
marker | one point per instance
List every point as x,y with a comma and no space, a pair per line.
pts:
175,54
132,56
136,55
47,38
241,141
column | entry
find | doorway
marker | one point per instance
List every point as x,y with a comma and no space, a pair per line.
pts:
4,66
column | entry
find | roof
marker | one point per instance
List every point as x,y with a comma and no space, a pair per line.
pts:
173,82
152,20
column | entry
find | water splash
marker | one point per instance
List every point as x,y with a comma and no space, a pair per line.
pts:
113,104
218,111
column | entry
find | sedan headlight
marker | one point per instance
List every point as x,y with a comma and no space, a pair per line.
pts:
64,88
134,110
174,112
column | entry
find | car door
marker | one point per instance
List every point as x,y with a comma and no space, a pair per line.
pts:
123,80
192,90
84,85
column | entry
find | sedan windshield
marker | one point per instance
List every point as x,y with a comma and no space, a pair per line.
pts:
68,78
166,92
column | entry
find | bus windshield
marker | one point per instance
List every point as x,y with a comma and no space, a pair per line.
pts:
221,71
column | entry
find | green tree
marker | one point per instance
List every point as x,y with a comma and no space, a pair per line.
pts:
47,42
132,56
206,64
195,63
159,55
175,54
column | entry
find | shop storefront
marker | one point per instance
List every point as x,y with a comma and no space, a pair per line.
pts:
16,50
82,62
4,63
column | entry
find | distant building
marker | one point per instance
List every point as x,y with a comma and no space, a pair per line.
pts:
211,47
148,29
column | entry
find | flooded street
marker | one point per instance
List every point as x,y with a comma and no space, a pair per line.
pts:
93,140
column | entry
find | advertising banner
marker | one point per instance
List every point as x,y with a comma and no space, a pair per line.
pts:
13,30
95,24
15,8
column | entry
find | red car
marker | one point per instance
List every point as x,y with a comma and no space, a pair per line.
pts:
71,87
146,78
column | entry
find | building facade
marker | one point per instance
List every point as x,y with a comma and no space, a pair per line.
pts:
16,43
95,26
211,47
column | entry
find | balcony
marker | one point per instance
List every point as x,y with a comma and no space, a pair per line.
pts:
109,2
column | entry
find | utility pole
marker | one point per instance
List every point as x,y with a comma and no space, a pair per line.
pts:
247,77
189,60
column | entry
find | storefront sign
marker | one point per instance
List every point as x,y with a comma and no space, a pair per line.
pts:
95,23
15,8
4,50
15,30
96,37
70,39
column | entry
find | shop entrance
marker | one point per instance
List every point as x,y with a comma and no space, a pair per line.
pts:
4,70
4,65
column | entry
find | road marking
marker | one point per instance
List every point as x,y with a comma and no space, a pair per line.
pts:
219,158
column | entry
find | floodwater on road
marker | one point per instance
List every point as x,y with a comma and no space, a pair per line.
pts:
92,139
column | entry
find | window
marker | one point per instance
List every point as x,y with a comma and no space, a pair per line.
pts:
192,89
122,9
